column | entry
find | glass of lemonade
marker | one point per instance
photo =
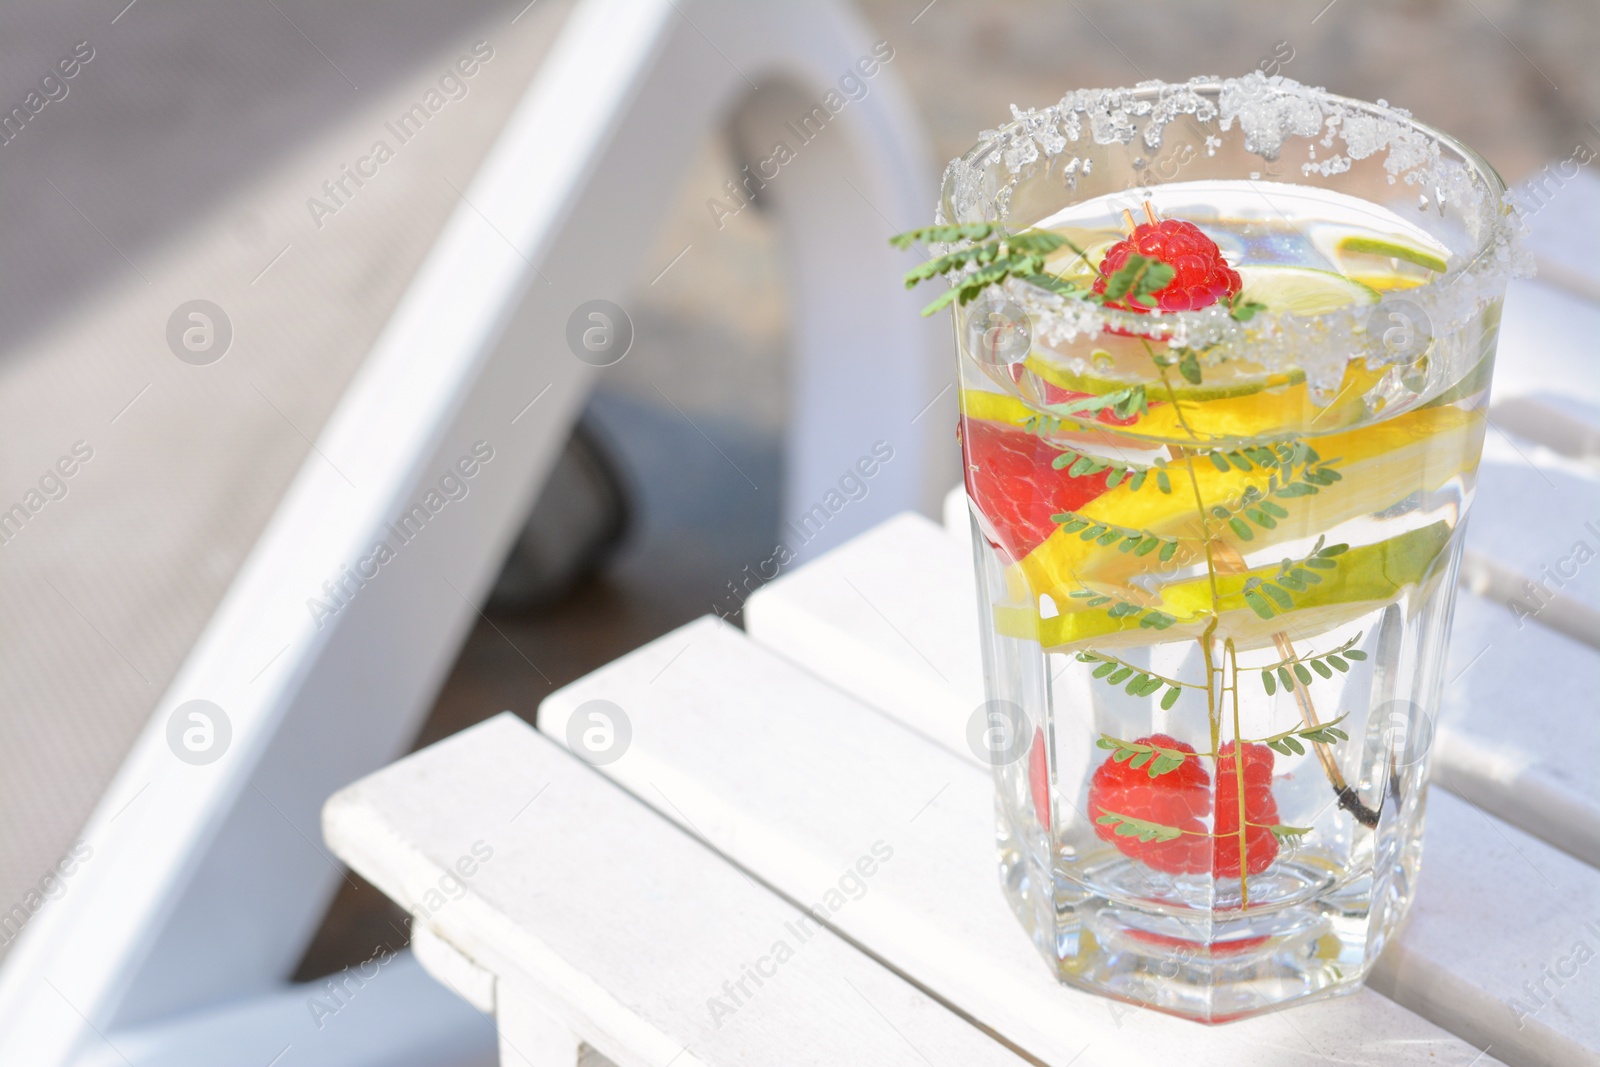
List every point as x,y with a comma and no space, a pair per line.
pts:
1218,486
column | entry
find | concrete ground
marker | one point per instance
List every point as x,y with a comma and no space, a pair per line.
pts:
178,165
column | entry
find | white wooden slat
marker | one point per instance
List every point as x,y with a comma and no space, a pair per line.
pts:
1519,703
917,660
1566,427
1498,916
793,780
1546,347
625,928
1563,217
1531,511
1533,541
452,968
956,516
1545,387
529,1037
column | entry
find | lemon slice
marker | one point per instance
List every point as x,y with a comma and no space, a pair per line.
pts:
1377,246
1414,452
1303,290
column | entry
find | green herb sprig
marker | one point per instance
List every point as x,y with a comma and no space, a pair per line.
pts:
1306,669
1270,597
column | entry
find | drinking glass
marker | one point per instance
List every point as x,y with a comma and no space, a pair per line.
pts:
1221,531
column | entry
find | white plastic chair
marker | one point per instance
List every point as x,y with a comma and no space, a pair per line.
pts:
206,882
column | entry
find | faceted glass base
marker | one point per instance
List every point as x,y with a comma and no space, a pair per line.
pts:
1311,940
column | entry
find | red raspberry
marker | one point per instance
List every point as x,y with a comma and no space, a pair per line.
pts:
1260,812
1203,276
1039,778
1010,478
1180,798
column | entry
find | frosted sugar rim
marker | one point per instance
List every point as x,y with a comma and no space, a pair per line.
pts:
978,187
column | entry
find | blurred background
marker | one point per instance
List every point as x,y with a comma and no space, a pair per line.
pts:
177,163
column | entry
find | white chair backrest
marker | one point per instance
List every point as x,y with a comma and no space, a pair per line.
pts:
208,880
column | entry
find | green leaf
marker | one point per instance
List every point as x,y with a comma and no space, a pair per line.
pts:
942,301
1052,283
1128,826
1355,653
1295,746
1338,664
1243,310
966,231
1104,669
1258,603
1169,698
1168,550
1301,673
1267,682
1140,760
1139,277
1147,545
1164,764
1321,668
1285,601
1189,366
1135,684
1241,530
1039,242
1120,675
1083,465
1219,461
1283,677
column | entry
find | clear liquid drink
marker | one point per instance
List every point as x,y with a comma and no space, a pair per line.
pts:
1217,535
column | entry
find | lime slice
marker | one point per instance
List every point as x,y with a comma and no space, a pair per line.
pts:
1069,264
1376,246
1100,385
1368,576
1303,290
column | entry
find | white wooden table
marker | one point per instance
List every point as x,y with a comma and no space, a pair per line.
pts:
655,907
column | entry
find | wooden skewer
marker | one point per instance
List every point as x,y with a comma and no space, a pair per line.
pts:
1127,216
1229,561
1149,214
